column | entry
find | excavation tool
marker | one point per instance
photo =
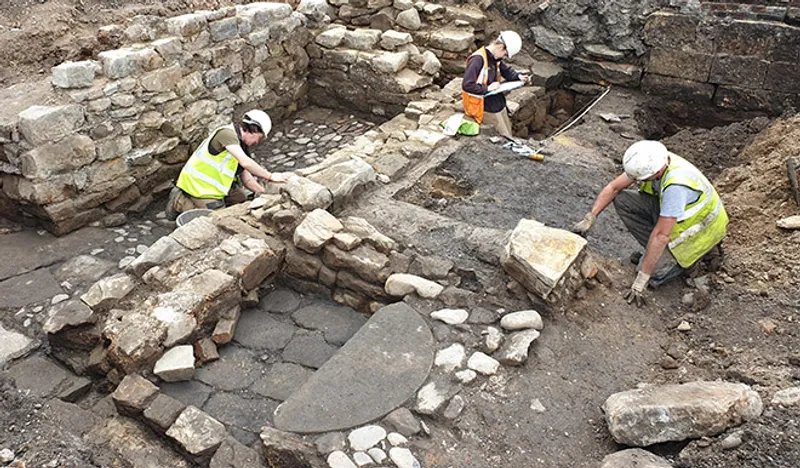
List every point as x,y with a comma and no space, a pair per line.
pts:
535,154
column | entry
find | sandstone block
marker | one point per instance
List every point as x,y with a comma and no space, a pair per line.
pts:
308,194
315,230
344,178
176,365
163,251
133,394
667,86
367,232
668,413
74,74
197,433
63,315
225,329
746,38
677,32
589,71
197,233
366,262
206,350
408,80
48,124
783,77
70,153
303,265
108,291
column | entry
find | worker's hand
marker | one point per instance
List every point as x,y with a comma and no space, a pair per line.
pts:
582,228
280,177
636,293
494,86
525,78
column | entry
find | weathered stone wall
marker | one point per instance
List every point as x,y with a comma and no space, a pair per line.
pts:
124,125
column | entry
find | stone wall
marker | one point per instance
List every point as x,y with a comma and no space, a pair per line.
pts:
123,126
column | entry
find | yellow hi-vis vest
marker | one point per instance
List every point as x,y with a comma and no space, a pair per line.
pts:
703,223
473,103
206,175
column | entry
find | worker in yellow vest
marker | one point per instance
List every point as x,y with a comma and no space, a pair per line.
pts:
676,214
215,173
484,72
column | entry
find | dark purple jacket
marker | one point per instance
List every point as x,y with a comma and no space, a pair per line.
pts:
496,102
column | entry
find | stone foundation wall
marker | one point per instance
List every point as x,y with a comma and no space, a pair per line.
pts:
123,126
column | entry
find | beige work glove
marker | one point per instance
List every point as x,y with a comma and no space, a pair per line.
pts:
636,293
583,227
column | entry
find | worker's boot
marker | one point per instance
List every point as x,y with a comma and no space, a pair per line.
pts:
714,258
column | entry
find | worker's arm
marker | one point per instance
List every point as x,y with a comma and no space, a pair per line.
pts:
247,162
250,182
659,239
474,67
610,192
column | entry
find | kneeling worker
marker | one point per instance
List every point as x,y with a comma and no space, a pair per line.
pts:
484,73
208,180
676,214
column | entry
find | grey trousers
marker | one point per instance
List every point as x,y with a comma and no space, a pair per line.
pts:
639,212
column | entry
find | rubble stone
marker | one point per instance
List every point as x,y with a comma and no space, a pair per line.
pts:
197,433
108,291
317,228
67,314
74,74
515,349
286,449
134,394
163,411
401,284
176,365
46,124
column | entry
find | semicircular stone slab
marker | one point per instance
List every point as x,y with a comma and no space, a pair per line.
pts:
375,372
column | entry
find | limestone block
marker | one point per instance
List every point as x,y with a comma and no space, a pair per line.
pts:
133,394
667,413
108,291
367,232
330,38
686,65
176,365
70,153
408,80
74,74
391,39
634,458
197,433
265,14
538,257
389,62
67,314
119,63
453,40
744,72
162,80
308,194
187,25
318,11
409,19
315,230
344,178
197,233
366,262
401,284
48,124
552,42
163,251
431,64
589,71
362,39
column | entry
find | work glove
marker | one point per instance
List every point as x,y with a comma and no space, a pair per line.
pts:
636,293
583,227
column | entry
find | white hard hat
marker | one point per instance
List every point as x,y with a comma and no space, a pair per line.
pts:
258,118
644,159
512,42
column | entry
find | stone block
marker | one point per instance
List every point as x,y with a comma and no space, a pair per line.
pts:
163,411
308,194
634,458
344,178
265,14
74,74
391,39
362,39
589,71
187,25
409,19
197,433
677,32
48,124
120,63
401,284
162,80
232,454
366,262
539,257
744,72
67,314
746,38
176,365
113,148
390,62
331,38
691,91
687,65
351,282
198,233
668,413
362,229
134,394
784,46
743,99
108,291
407,80
206,350
12,345
167,47
452,40
162,252
250,260
226,326
315,230
783,77
287,449
219,291
301,264
224,29
554,43
70,153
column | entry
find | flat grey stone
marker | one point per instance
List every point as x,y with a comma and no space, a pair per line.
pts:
163,411
38,376
236,369
233,454
337,323
197,432
69,415
30,288
330,442
12,345
244,414
83,269
282,380
189,393
377,370
308,349
259,330
281,301
403,421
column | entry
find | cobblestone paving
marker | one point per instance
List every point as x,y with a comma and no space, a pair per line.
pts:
276,348
308,137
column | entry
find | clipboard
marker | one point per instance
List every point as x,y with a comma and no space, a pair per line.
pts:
505,87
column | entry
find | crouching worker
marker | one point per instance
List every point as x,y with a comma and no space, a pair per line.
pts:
676,214
213,176
484,72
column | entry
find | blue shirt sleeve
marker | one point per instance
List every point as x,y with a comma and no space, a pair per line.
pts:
675,199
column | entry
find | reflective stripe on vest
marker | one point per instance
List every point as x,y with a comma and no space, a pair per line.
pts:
704,221
473,103
206,175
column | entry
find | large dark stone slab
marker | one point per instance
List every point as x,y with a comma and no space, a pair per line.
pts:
260,330
337,323
754,38
691,91
744,72
377,370
673,31
243,417
590,71
783,77
308,349
686,65
757,100
282,380
30,288
236,369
